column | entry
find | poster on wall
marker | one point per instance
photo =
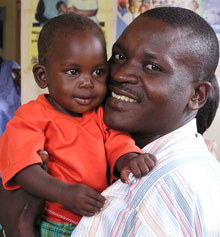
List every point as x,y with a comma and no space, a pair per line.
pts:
128,10
43,10
212,14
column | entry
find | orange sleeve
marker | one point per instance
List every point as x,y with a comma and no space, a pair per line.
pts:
117,143
19,144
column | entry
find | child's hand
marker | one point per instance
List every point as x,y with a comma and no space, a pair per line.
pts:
82,199
139,165
44,157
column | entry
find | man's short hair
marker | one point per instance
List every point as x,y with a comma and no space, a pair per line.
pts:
205,45
206,114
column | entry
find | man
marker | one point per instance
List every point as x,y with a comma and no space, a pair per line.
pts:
157,63
158,83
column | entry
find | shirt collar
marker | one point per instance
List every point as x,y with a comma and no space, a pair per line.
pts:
188,128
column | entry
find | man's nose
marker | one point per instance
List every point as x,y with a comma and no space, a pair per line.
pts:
125,73
86,82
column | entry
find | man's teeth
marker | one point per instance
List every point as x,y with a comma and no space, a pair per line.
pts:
123,98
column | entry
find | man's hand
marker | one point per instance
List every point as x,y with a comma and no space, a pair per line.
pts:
138,165
20,210
82,199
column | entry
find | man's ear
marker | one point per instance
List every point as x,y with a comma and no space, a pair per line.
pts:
200,94
40,75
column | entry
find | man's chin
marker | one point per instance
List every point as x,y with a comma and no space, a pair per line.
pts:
115,118
112,117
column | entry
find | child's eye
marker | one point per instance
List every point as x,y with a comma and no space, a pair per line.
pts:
72,72
98,72
119,57
152,67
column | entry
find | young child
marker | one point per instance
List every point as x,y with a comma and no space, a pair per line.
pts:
68,123
61,7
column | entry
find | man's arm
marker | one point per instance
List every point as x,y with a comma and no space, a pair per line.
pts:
19,210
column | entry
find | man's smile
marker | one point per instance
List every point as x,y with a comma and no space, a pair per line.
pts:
123,98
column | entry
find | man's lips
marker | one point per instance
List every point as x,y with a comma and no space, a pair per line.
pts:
123,98
123,93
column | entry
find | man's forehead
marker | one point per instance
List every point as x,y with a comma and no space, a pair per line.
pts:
146,27
155,33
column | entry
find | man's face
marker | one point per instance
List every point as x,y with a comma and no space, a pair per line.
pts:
150,79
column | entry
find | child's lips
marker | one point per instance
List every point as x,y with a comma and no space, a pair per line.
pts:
83,101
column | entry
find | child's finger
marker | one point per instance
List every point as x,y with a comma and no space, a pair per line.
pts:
124,175
44,156
150,161
136,168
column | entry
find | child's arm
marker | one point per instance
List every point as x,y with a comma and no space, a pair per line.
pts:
138,164
78,198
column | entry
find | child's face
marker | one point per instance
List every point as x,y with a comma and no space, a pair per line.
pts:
76,72
62,8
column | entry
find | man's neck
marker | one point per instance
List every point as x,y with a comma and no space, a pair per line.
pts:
142,141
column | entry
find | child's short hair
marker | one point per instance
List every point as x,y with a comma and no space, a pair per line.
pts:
63,25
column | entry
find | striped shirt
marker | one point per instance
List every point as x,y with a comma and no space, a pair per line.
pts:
179,197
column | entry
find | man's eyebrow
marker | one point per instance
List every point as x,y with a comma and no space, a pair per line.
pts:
164,62
118,46
150,55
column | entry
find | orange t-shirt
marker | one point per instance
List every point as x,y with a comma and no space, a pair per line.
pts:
80,148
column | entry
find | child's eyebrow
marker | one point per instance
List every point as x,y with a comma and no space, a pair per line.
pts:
101,64
69,64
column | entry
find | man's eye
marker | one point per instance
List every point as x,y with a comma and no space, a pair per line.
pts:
72,72
119,57
152,67
98,72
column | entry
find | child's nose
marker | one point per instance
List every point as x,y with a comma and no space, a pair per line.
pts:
86,82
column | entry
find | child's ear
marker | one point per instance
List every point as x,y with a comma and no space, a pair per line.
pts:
200,94
40,77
